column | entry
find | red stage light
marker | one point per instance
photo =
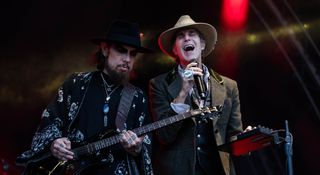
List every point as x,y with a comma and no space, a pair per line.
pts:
234,14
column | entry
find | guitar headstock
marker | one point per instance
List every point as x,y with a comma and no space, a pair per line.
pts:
216,111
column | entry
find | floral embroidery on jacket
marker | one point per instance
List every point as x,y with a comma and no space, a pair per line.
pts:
60,95
73,110
49,133
45,113
62,112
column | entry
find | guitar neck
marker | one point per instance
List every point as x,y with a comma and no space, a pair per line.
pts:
104,143
164,122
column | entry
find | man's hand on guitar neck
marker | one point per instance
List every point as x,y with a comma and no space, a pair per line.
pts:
61,149
130,142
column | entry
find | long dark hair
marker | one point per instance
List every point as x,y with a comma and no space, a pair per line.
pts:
100,60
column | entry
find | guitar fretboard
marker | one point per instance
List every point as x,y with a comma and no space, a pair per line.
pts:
104,143
164,122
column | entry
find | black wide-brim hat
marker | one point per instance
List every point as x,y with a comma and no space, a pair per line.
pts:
123,32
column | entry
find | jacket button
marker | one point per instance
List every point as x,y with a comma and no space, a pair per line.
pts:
216,131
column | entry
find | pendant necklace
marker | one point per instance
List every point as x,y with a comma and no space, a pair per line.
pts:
105,108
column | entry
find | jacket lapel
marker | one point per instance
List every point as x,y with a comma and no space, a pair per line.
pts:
218,93
218,89
175,86
173,80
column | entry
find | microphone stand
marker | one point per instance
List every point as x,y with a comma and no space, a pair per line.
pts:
288,149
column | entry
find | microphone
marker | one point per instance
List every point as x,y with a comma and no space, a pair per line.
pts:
198,80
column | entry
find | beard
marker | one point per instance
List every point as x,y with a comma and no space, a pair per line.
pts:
119,78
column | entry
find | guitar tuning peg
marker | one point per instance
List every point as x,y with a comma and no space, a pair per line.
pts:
98,153
207,110
219,108
205,120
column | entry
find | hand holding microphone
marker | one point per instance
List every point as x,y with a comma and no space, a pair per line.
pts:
192,69
198,80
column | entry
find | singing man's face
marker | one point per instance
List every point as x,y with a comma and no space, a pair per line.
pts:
188,45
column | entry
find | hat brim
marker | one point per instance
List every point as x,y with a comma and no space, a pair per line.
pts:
207,30
139,49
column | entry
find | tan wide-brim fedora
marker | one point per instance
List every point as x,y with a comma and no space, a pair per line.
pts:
185,21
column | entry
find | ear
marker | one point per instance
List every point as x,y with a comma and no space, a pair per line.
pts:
104,48
203,44
174,50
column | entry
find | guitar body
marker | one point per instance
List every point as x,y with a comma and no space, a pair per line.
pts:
47,164
94,153
55,167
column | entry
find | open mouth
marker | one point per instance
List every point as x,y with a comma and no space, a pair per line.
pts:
188,47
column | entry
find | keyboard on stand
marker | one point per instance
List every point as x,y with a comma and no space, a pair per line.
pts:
252,140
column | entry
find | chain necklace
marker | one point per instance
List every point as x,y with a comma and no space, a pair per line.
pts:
105,108
106,83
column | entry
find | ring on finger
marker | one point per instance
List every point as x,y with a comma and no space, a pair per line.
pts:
188,73
130,140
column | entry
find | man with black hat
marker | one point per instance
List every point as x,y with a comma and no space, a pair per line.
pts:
91,102
189,147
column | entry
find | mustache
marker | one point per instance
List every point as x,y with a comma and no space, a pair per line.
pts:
124,65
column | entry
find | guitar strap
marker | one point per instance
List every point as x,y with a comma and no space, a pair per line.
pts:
124,105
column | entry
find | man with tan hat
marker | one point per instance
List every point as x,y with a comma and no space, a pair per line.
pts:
189,146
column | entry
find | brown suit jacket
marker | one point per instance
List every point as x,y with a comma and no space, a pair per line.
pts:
175,153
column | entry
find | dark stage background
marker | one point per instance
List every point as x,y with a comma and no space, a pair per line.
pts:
274,59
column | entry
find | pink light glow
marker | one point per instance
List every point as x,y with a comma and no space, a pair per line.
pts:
234,14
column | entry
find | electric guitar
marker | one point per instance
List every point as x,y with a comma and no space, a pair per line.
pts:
86,155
